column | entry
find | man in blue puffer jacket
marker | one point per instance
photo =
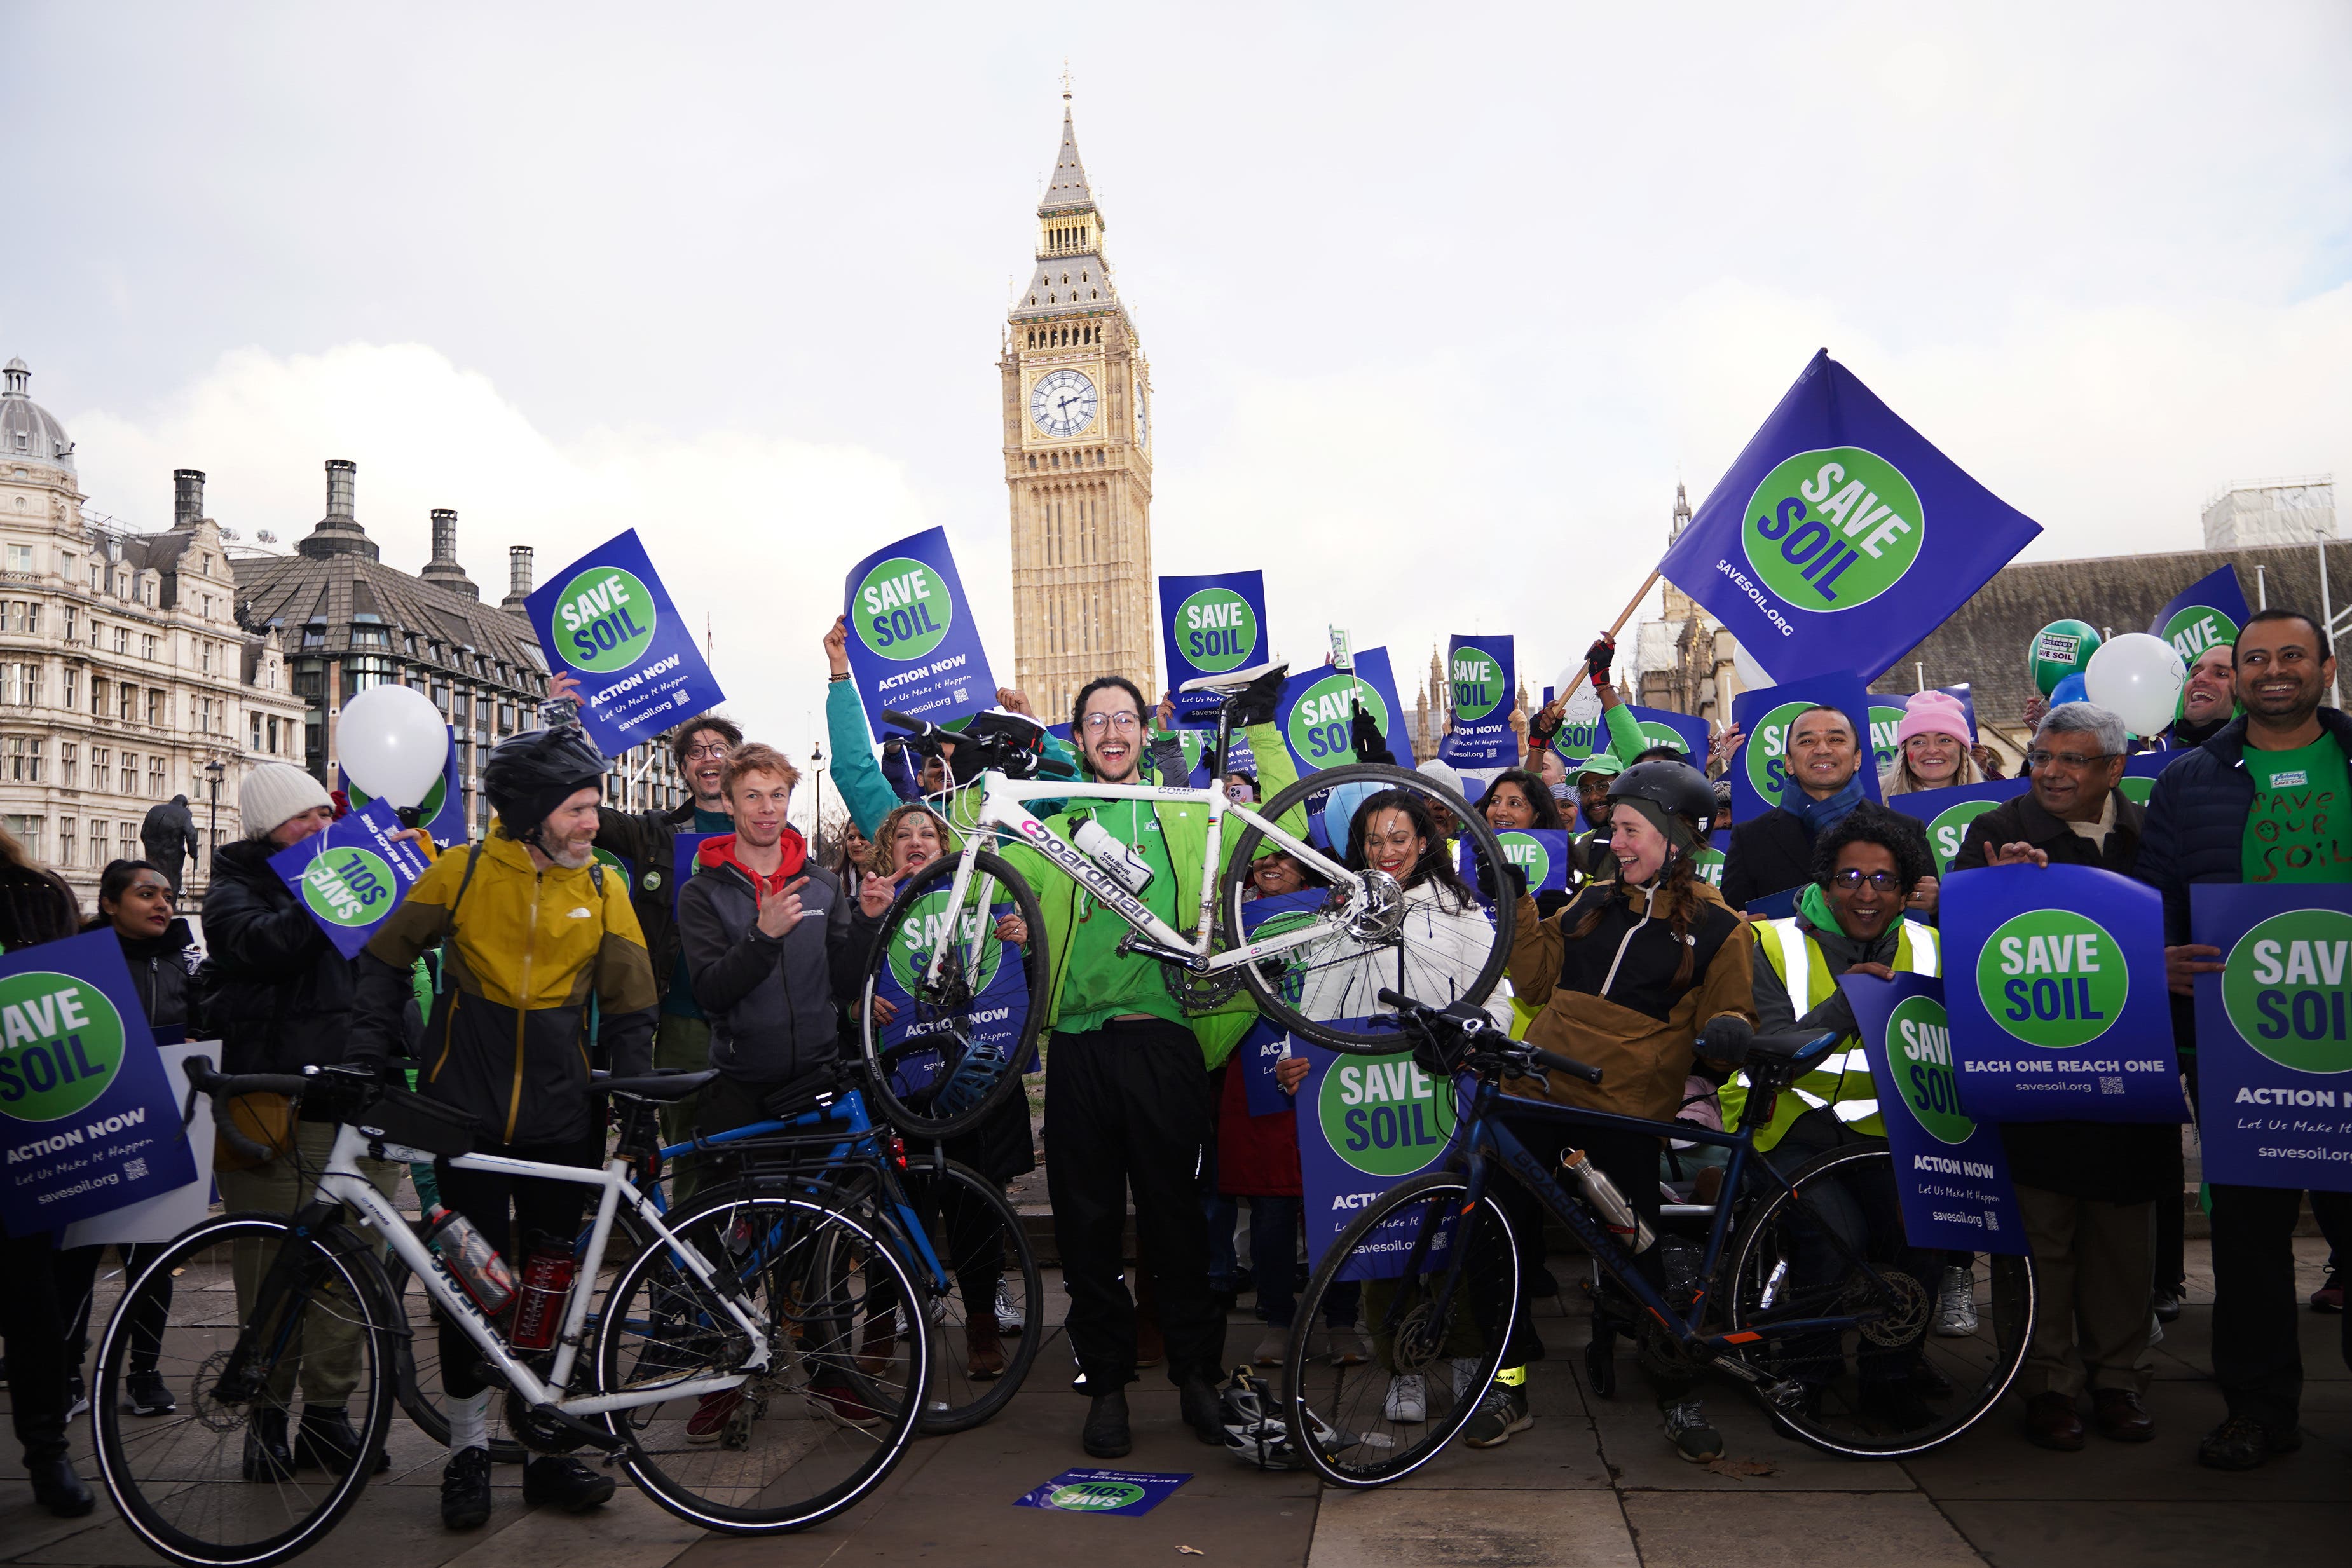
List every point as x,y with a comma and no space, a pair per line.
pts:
2252,805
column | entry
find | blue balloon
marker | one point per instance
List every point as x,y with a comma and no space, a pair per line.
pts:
2069,690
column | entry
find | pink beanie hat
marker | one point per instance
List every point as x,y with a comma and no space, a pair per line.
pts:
1933,713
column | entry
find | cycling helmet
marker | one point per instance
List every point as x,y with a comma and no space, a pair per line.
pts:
1675,788
534,773
979,1070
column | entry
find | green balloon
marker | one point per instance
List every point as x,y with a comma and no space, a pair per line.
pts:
2059,649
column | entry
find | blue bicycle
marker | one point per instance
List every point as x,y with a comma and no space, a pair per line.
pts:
1815,1305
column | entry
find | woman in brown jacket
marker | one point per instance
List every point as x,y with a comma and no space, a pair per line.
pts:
1627,978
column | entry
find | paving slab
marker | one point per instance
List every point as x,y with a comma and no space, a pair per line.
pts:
1393,1528
1561,1450
1633,1444
1850,1530
2153,1535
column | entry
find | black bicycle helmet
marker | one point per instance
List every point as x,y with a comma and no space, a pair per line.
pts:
1674,787
531,774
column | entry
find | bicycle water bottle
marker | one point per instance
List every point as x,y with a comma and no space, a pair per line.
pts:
1123,863
471,1261
1601,1192
547,1276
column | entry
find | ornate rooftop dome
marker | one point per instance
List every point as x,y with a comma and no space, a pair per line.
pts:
27,429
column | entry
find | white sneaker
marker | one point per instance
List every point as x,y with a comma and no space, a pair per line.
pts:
1009,1321
1956,1303
1408,1400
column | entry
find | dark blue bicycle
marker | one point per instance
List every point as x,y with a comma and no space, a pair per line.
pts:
1814,1303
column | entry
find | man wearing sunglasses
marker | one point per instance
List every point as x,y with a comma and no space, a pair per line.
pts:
2087,1190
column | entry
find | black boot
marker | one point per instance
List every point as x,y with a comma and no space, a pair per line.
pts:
326,1441
565,1482
1203,1411
466,1489
57,1489
266,1456
1105,1436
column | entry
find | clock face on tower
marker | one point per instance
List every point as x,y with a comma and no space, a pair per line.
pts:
1062,404
1143,422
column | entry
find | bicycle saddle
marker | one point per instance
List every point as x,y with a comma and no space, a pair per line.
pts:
1230,679
1788,1051
661,1086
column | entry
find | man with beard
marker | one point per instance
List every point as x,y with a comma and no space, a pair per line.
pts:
2267,800
536,931
2208,701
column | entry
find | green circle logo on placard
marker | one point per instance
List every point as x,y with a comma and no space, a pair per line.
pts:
1657,733
606,620
919,934
2284,985
350,886
1831,529
2053,978
426,809
1529,854
2196,631
1094,1497
1477,683
1383,1115
1950,827
1318,728
1883,722
1216,630
1919,1049
65,1042
903,609
1767,751
2136,788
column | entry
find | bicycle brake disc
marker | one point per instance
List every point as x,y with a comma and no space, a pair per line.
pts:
1903,1314
1376,912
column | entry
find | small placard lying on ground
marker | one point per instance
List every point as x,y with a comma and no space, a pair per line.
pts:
1103,1491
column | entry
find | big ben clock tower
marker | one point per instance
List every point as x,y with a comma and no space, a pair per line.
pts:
1077,459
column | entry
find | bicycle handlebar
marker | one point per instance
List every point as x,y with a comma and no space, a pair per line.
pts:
203,1080
1471,1025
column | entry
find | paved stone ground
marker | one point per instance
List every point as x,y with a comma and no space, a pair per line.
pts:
1592,1484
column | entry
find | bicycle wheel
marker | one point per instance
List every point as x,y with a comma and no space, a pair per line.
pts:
955,1046
187,1483
977,1365
797,1442
1429,936
1437,1330
1891,1387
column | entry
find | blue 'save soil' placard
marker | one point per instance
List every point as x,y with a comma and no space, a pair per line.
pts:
1103,1491
2274,1035
607,619
1210,625
914,645
1365,1123
353,877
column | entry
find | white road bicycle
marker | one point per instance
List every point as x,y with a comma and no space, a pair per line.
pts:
719,1366
965,1003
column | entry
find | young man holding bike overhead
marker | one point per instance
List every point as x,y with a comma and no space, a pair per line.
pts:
536,932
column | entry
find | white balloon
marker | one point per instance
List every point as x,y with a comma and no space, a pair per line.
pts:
394,743
2137,678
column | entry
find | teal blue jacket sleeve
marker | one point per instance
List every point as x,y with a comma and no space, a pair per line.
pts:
855,773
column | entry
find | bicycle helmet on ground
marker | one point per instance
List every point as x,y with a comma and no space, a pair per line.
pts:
1254,1433
1675,796
531,775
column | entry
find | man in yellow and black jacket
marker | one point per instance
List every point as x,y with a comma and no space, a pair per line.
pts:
534,928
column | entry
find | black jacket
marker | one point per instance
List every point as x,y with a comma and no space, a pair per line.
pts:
286,996
35,907
648,841
2113,1161
770,1000
1771,854
159,970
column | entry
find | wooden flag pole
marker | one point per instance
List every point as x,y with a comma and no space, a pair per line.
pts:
1623,616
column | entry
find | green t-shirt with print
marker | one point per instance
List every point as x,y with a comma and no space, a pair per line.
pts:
1100,983
2300,829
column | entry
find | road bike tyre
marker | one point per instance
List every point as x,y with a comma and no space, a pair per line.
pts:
762,1245
178,1481
1308,991
1849,1415
1337,1416
966,993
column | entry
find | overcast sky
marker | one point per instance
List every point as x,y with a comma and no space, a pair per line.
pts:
1438,310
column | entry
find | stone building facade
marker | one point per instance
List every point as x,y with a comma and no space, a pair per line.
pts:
1683,662
1078,458
126,677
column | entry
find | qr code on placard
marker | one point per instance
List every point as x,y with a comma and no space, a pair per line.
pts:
1992,1220
2111,1083
962,694
681,700
132,1170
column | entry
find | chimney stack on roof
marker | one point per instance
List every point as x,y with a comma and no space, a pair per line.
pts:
187,497
339,532
519,569
443,568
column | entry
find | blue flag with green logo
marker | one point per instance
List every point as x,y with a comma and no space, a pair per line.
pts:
914,645
1946,813
1541,852
1762,770
607,621
1365,1123
1484,680
1951,1174
2205,615
1839,537
85,1111
353,877
1210,626
2274,1035
2055,980
1317,707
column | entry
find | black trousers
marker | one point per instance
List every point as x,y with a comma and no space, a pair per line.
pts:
34,1325
516,1213
2257,1321
1630,1160
77,1272
1128,1106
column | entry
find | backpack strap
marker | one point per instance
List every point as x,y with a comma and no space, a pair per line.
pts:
473,859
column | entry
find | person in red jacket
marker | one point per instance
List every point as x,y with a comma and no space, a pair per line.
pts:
1257,1159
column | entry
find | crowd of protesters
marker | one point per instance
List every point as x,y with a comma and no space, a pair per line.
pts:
1639,965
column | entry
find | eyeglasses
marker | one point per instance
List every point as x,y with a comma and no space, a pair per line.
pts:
1848,879
1122,721
2073,762
713,748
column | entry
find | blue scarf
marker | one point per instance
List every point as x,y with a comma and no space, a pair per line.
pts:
1818,817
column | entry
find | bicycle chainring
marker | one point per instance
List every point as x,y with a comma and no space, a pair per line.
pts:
1904,1313
1201,993
537,1432
1663,1355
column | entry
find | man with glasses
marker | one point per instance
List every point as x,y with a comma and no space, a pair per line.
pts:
2087,1190
2265,801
